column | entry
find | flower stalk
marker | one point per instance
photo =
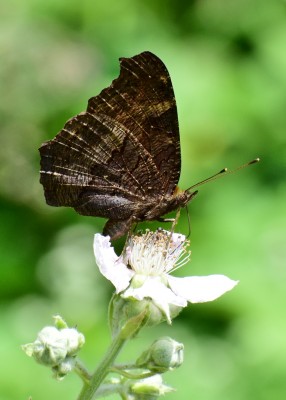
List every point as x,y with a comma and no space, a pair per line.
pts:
127,332
82,372
90,388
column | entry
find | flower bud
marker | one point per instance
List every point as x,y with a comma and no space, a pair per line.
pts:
61,370
122,310
149,388
74,340
165,354
56,347
49,348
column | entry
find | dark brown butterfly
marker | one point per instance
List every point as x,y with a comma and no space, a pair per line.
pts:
121,158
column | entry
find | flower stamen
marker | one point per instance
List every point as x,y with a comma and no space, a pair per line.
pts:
153,253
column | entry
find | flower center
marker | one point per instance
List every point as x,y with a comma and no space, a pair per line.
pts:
156,253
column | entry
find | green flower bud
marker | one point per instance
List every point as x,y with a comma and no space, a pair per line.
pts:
149,388
74,340
61,370
165,354
121,310
56,347
49,348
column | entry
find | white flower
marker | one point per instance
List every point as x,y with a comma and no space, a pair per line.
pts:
143,271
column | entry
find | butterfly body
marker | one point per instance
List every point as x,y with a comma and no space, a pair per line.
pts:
121,158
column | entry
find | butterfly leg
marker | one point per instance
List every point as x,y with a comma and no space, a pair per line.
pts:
175,220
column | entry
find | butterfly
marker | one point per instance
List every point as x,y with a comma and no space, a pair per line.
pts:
120,159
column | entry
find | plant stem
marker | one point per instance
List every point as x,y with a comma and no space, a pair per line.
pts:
101,371
129,330
107,389
82,371
128,375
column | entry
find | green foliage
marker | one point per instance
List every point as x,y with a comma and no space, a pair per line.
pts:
227,61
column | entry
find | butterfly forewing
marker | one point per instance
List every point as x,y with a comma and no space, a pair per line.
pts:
142,99
123,153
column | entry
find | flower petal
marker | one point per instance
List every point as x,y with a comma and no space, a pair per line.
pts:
199,289
109,264
161,295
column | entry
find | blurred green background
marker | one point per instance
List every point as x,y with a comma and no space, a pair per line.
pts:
227,60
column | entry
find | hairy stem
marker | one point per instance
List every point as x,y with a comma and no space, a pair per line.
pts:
101,371
130,328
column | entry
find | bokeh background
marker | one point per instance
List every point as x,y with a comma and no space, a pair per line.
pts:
227,60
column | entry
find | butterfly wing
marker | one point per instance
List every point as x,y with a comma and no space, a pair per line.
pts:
123,150
142,99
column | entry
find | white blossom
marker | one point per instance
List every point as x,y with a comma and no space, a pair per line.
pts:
143,271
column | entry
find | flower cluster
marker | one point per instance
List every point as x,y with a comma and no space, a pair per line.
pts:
56,347
146,293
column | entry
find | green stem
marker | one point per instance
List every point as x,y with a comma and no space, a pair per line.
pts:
82,372
125,366
129,330
90,388
128,375
108,389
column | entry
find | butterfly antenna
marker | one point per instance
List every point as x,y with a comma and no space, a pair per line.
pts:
189,222
223,172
